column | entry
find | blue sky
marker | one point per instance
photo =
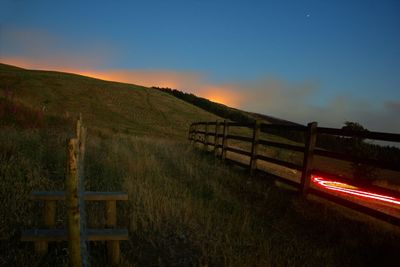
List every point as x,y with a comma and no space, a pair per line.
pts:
301,60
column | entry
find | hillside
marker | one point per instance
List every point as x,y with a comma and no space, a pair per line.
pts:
185,207
118,107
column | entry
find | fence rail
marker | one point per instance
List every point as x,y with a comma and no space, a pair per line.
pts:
200,132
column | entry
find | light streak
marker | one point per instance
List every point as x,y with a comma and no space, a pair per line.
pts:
352,190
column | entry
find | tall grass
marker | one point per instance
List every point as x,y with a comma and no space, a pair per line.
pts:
185,208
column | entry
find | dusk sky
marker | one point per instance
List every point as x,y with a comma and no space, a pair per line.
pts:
325,61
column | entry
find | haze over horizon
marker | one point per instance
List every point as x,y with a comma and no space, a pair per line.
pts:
325,61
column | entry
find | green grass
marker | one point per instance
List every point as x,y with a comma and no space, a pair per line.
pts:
185,207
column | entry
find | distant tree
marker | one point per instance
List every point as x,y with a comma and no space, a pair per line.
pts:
356,146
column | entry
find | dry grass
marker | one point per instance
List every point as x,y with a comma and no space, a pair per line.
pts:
185,208
106,106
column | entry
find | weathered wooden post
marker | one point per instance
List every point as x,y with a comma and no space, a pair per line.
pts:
195,135
192,129
254,147
311,138
72,197
216,138
206,136
113,249
81,136
41,247
224,140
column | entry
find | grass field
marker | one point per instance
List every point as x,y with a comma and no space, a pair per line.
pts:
185,208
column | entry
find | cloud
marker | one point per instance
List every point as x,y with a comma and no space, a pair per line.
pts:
393,106
34,48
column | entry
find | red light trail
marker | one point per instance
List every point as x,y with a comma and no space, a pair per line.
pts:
352,190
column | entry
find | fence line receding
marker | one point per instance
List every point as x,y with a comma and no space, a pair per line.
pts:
221,132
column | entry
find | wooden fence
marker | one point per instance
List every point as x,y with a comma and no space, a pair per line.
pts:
77,233
200,132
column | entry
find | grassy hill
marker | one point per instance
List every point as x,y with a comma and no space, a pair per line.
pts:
105,105
185,208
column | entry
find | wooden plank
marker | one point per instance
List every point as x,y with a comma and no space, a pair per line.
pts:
390,137
107,234
240,138
311,138
241,124
52,235
239,151
199,123
88,196
280,162
297,128
282,145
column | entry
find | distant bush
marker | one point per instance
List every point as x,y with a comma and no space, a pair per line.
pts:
215,108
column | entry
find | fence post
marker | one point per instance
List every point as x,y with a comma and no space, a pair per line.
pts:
311,138
206,137
81,136
192,134
195,135
254,147
224,140
216,138
72,197
41,247
113,249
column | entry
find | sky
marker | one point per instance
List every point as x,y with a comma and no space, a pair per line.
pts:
328,61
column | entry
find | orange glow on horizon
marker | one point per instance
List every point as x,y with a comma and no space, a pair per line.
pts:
175,80
221,95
